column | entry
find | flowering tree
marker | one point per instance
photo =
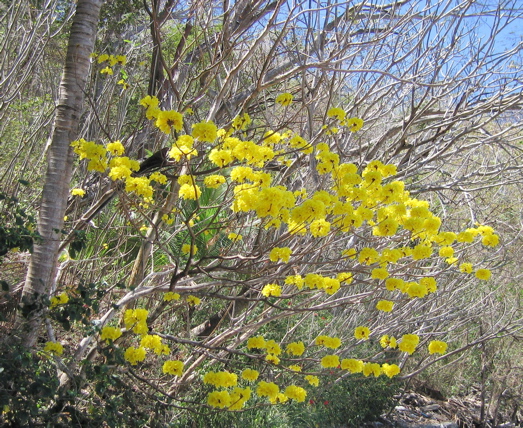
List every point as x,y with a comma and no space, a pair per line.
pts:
299,213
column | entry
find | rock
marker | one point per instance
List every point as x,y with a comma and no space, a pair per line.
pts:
431,407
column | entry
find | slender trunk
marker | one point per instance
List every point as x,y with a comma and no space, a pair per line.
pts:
43,263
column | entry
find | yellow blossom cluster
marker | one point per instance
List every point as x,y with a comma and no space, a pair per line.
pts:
250,375
137,320
111,60
120,167
328,342
388,341
173,367
155,343
170,295
135,355
271,290
78,192
437,347
284,99
408,343
109,333
60,299
221,379
367,368
54,348
282,254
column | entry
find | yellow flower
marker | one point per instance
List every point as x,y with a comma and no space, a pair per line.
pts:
328,342
241,122
250,375
354,124
379,273
158,177
189,191
234,237
331,285
219,399
271,290
134,318
337,113
134,355
430,283
350,253
320,228
362,333
272,347
154,342
220,157
384,341
102,58
483,274
446,251
193,300
205,131
394,283
296,393
465,267
171,296
61,299
368,256
267,389
437,347
408,343
54,348
149,102
238,398
384,305
110,333
352,365
345,277
329,361
421,251
189,249
284,99
107,70
272,359
116,148
296,348
173,367
295,368
280,398
282,254
416,290
214,181
169,119
313,380
78,192
390,370
221,379
256,342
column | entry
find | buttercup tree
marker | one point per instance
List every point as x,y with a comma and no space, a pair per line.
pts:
310,210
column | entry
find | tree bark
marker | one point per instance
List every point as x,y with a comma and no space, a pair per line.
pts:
42,268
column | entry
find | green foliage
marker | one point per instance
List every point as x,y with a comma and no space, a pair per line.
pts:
28,384
16,226
30,394
349,401
84,302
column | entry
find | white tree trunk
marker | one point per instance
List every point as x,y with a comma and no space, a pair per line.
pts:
60,160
